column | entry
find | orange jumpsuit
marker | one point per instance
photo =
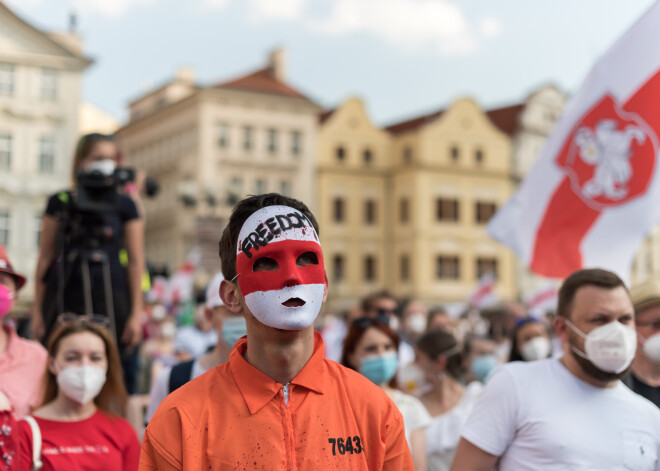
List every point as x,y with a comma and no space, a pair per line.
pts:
234,417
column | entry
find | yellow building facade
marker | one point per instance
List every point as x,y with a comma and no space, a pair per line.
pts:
434,182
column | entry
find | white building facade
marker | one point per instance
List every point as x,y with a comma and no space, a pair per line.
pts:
40,86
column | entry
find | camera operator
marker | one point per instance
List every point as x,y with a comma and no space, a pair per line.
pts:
116,230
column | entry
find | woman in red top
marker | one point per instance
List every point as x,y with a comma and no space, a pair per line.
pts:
80,420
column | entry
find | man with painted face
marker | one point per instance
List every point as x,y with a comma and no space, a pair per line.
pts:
644,375
22,362
572,412
277,404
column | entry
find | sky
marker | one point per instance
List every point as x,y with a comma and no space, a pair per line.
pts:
404,58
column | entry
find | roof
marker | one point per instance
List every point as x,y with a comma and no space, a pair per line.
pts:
414,123
506,119
63,47
325,115
262,81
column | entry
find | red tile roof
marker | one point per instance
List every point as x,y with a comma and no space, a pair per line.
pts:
506,119
262,81
414,123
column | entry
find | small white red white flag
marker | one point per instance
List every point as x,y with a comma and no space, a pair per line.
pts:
594,192
542,300
483,294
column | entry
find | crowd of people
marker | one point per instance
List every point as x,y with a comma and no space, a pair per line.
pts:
252,373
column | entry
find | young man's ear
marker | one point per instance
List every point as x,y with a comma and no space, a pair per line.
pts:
231,296
325,289
561,329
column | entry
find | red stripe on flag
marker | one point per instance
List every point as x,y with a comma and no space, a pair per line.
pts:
285,253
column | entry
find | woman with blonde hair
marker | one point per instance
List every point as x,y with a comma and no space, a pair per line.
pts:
79,426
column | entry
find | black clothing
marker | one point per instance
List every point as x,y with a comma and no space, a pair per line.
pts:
640,387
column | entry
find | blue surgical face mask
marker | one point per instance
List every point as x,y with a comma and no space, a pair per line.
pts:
233,328
380,368
483,366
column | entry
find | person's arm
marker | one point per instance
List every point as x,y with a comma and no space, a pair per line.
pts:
418,449
47,242
470,457
134,234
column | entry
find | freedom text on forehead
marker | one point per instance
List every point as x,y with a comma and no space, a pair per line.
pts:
266,231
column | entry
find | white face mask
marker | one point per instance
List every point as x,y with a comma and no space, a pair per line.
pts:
105,167
535,349
611,347
81,383
416,323
652,348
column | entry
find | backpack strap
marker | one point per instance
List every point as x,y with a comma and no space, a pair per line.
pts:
180,374
36,442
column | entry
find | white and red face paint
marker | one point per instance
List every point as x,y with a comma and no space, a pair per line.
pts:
289,295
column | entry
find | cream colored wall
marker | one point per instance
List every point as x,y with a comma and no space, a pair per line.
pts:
435,175
23,188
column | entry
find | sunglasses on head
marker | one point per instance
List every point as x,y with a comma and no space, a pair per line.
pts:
69,318
364,322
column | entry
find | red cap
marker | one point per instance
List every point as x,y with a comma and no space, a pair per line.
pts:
6,267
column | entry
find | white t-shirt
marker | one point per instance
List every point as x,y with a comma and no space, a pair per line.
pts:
415,415
444,432
161,387
538,415
194,341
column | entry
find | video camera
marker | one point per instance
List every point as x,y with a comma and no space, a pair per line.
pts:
97,192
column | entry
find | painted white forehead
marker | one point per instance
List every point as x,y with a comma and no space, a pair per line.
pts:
273,224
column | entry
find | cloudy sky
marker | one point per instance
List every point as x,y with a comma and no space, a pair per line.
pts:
403,57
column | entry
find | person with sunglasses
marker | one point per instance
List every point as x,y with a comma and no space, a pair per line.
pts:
278,403
22,361
371,348
644,375
68,232
80,424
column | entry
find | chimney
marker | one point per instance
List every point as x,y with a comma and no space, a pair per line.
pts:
73,22
277,65
186,75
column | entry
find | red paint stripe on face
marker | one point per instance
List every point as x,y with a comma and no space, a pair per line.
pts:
287,254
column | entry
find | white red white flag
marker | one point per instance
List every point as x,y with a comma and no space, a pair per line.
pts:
180,286
594,192
542,300
483,294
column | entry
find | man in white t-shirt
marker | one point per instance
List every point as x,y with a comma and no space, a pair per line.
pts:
572,412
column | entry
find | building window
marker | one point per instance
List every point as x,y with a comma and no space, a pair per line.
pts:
5,150
370,212
369,268
247,138
407,155
7,79
5,222
296,142
486,266
37,228
404,210
235,191
483,211
285,188
454,153
272,141
404,268
479,156
367,156
223,135
446,209
338,268
340,153
259,186
447,267
338,210
46,154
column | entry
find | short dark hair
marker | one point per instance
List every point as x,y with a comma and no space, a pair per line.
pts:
242,211
437,342
369,302
586,277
